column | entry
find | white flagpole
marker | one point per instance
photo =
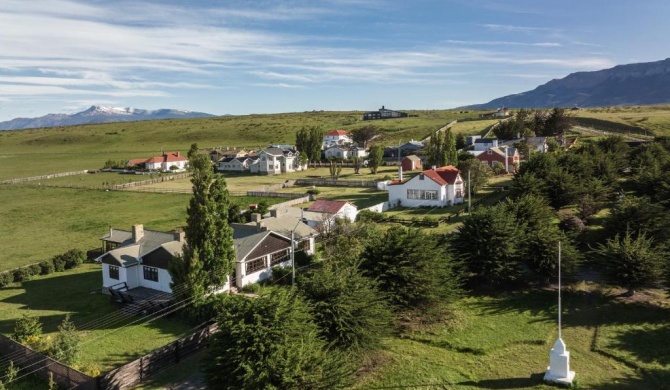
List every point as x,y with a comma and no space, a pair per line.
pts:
559,289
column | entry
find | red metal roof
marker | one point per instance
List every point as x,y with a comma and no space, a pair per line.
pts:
327,206
338,132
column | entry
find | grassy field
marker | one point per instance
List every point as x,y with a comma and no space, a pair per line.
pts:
653,118
503,342
109,339
42,151
473,127
97,179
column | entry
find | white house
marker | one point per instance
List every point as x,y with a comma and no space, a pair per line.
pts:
138,258
273,161
437,187
234,164
322,214
336,137
356,151
165,162
337,152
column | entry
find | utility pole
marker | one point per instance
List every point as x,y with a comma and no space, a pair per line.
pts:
293,256
469,194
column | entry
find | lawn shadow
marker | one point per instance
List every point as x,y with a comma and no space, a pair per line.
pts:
507,383
580,308
76,292
647,345
647,379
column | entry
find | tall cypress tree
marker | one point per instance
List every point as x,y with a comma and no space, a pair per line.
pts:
208,257
450,152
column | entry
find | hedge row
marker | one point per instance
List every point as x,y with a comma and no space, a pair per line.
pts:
59,263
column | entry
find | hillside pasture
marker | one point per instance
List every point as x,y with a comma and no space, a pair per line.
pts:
655,119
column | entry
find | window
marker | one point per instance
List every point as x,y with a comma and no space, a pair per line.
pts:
113,272
279,257
255,265
421,176
151,273
303,245
459,193
421,194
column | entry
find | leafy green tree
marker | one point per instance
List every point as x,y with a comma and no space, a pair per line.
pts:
302,145
66,345
357,163
528,184
314,143
489,244
479,174
556,123
412,268
208,255
271,342
450,152
633,214
562,188
631,261
363,135
350,311
541,252
460,141
27,329
335,169
376,158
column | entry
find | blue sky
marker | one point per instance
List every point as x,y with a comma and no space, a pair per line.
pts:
258,56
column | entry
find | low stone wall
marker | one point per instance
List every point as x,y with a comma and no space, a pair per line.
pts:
43,177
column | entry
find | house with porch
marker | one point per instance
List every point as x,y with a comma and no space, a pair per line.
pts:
506,156
140,258
336,137
436,187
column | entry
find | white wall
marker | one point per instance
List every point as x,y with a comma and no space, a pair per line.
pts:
128,275
399,192
164,280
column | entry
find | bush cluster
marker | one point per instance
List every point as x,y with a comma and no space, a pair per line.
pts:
59,263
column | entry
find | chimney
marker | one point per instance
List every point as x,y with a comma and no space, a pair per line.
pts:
400,173
111,231
433,167
260,227
138,232
179,235
178,155
255,217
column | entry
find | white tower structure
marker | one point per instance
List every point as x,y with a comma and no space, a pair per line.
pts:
559,357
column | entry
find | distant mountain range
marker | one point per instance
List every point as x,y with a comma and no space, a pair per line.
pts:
632,84
98,114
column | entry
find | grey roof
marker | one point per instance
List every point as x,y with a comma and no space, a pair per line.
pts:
485,140
227,159
126,256
412,144
244,245
151,239
413,157
274,151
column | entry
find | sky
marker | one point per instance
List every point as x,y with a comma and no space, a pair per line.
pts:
258,56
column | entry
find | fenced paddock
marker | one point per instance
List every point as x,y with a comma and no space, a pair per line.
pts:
336,183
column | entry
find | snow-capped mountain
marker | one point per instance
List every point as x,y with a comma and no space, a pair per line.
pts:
99,114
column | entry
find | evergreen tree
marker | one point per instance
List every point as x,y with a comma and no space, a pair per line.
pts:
363,135
27,329
479,173
632,261
65,347
314,143
271,342
489,244
208,256
460,141
450,152
412,268
302,145
348,308
376,158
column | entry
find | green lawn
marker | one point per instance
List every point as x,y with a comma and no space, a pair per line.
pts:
503,342
108,339
102,179
653,118
473,127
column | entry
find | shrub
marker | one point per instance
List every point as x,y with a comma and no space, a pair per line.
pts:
281,275
74,258
22,274
253,288
302,259
46,267
65,347
35,269
27,328
313,191
5,279
59,263
369,216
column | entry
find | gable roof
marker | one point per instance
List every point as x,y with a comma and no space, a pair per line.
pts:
413,157
150,240
327,206
253,244
485,140
339,132
443,175
274,151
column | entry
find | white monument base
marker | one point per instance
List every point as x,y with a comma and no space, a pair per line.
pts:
559,365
